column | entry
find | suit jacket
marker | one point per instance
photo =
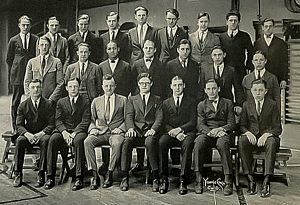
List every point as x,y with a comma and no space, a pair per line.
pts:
209,118
168,50
135,47
77,120
277,55
184,117
226,81
190,76
17,58
201,53
123,42
31,120
98,115
92,78
272,86
122,75
91,39
51,77
268,121
156,71
141,119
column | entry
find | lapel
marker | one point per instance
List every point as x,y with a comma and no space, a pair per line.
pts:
252,108
195,38
68,105
119,67
210,106
108,67
220,105
165,36
39,65
266,76
150,104
79,38
117,105
148,33
88,69
106,38
58,44
101,107
19,40
49,65
77,70
135,36
172,104
139,102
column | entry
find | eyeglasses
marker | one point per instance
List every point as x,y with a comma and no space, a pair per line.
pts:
144,83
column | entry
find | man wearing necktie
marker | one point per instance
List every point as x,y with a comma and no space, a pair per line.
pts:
216,123
21,48
72,120
260,126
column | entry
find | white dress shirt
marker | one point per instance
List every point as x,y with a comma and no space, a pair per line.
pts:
113,65
85,66
75,99
268,39
111,34
234,32
262,72
174,29
23,39
112,100
200,33
36,102
147,95
145,27
148,63
84,35
221,68
261,104
178,97
181,62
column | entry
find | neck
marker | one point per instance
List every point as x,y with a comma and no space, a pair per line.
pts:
213,98
34,98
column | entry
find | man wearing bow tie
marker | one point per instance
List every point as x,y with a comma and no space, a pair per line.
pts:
215,124
21,48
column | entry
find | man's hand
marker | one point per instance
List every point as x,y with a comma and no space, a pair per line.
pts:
237,110
31,138
251,137
262,140
283,84
116,131
150,132
174,132
66,136
38,136
181,136
94,132
214,132
221,133
130,133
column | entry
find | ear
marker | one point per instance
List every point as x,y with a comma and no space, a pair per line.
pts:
224,55
266,91
154,50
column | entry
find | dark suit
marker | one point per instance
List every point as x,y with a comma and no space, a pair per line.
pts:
135,48
141,120
16,59
73,121
226,82
208,119
277,56
167,48
267,122
91,39
185,118
123,42
121,74
91,82
33,121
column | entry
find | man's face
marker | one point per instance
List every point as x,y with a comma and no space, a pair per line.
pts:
141,17
53,26
268,28
109,87
233,22
171,20
44,47
112,50
177,87
203,23
184,51
83,53
258,91
211,89
149,49
259,61
35,90
83,25
145,85
112,22
218,56
24,26
73,88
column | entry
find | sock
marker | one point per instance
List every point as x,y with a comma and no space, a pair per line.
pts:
198,177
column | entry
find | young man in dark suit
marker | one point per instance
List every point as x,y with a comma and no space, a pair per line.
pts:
215,124
169,37
72,119
179,122
143,121
260,126
84,36
21,48
35,123
115,34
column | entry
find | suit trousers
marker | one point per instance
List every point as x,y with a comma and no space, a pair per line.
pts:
165,143
92,141
22,143
57,143
17,92
203,145
246,148
129,143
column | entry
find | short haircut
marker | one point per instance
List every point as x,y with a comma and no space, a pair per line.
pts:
233,13
200,15
73,79
259,81
25,17
141,8
260,52
113,41
113,13
35,80
151,42
173,11
52,18
212,80
268,20
218,47
177,77
108,77
84,44
45,38
84,17
184,41
144,75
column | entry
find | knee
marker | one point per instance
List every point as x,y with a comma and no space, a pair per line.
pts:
21,140
163,141
117,142
88,142
200,142
243,141
150,142
271,142
222,144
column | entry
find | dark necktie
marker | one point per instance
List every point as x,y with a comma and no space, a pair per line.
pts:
231,35
201,38
25,41
43,64
258,75
54,44
73,105
36,105
107,110
113,35
218,71
113,61
258,108
183,62
144,103
82,70
83,40
213,102
177,103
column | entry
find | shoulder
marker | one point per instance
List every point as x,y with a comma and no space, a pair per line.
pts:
227,101
123,63
132,30
121,97
103,63
93,65
167,101
62,100
73,36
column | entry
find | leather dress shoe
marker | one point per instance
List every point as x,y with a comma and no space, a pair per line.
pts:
182,188
94,183
108,181
137,168
17,181
228,189
124,184
102,170
155,185
265,192
77,185
199,187
40,180
164,185
50,183
252,188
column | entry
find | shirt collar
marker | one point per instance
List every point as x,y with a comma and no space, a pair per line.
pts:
180,97
173,29
145,25
261,102
149,58
85,63
261,72
37,101
146,95
216,100
204,32
46,56
23,35
234,32
116,61
75,98
186,61
111,97
220,66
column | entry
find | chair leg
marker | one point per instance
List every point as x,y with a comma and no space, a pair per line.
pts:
287,177
237,169
6,151
11,170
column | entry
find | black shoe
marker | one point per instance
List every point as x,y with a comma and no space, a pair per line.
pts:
124,184
94,183
50,183
265,192
108,180
228,189
164,185
155,185
137,168
252,188
102,170
40,180
77,185
199,187
182,188
18,181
